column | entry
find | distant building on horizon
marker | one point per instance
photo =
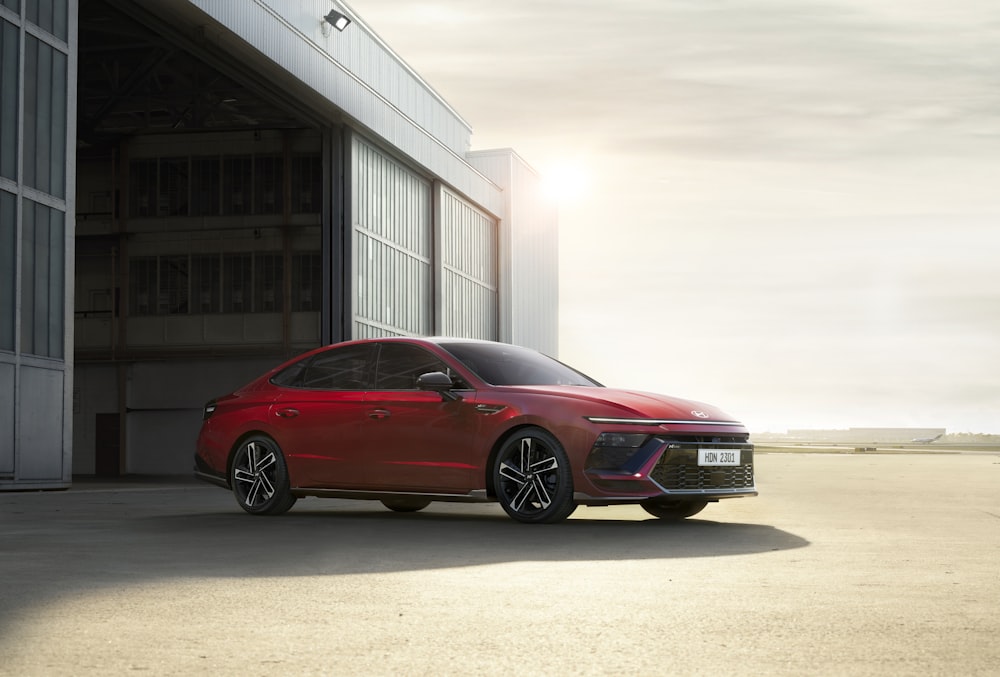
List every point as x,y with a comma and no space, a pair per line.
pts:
870,435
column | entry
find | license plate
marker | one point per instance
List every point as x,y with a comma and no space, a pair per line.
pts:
717,457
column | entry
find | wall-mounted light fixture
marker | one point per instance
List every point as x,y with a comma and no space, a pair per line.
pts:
335,19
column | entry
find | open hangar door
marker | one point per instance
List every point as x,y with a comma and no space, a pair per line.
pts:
201,231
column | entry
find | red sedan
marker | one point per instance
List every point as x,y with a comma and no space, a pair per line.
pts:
408,421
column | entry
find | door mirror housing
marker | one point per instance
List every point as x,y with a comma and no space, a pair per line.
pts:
439,382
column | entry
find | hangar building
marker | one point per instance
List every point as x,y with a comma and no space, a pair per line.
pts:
192,191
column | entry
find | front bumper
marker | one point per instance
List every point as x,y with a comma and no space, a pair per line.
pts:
668,466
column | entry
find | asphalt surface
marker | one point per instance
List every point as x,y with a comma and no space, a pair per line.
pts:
846,564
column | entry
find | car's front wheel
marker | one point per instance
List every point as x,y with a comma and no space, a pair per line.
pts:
673,510
533,478
259,477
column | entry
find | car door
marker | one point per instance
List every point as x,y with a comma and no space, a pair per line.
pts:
318,417
416,440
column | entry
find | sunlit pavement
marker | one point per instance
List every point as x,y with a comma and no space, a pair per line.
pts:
858,564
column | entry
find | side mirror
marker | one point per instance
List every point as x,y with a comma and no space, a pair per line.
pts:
438,382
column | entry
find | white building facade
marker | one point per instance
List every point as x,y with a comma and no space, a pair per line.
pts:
192,191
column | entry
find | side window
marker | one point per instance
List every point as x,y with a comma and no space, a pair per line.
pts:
346,368
400,364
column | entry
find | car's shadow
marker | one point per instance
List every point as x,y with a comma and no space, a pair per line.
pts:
363,537
82,543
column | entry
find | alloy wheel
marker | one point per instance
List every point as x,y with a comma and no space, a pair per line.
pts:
533,479
260,479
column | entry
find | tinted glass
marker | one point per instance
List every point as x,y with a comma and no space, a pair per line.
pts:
44,117
8,99
507,365
347,368
50,15
399,366
8,213
43,250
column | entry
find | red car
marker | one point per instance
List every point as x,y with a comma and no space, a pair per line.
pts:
407,421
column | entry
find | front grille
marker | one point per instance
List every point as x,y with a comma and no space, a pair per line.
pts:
678,470
681,477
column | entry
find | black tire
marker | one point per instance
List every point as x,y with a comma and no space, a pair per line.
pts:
673,510
259,477
533,479
406,503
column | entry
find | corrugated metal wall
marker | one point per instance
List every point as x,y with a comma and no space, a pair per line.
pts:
391,232
529,252
468,269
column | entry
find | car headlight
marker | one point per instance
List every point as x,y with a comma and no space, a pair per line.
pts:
208,411
620,440
613,451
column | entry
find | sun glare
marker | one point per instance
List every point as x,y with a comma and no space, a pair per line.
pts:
565,181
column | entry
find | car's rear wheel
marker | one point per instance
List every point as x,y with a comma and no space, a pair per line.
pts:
259,477
673,510
405,504
533,478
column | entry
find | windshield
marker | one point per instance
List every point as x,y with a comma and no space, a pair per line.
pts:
507,365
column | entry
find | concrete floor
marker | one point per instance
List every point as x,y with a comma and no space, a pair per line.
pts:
849,564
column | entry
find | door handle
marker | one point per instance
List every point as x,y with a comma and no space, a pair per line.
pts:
287,413
379,414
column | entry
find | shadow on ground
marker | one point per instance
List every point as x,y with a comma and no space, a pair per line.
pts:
61,543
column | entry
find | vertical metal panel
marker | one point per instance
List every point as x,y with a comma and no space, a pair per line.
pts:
392,246
7,408
469,255
529,253
41,423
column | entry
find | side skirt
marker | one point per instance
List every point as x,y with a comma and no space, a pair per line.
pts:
477,496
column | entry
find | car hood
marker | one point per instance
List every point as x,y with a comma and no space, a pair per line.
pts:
616,402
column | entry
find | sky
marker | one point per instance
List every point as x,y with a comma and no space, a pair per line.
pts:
787,208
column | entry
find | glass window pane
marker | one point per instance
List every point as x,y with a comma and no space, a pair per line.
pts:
307,282
268,278
8,99
57,163
205,177
307,184
44,126
173,187
43,123
142,188
13,5
56,282
236,176
268,185
60,19
8,231
142,285
50,15
205,283
31,86
237,283
174,283
43,251
399,365
347,368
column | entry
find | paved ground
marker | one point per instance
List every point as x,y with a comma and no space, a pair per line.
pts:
845,565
